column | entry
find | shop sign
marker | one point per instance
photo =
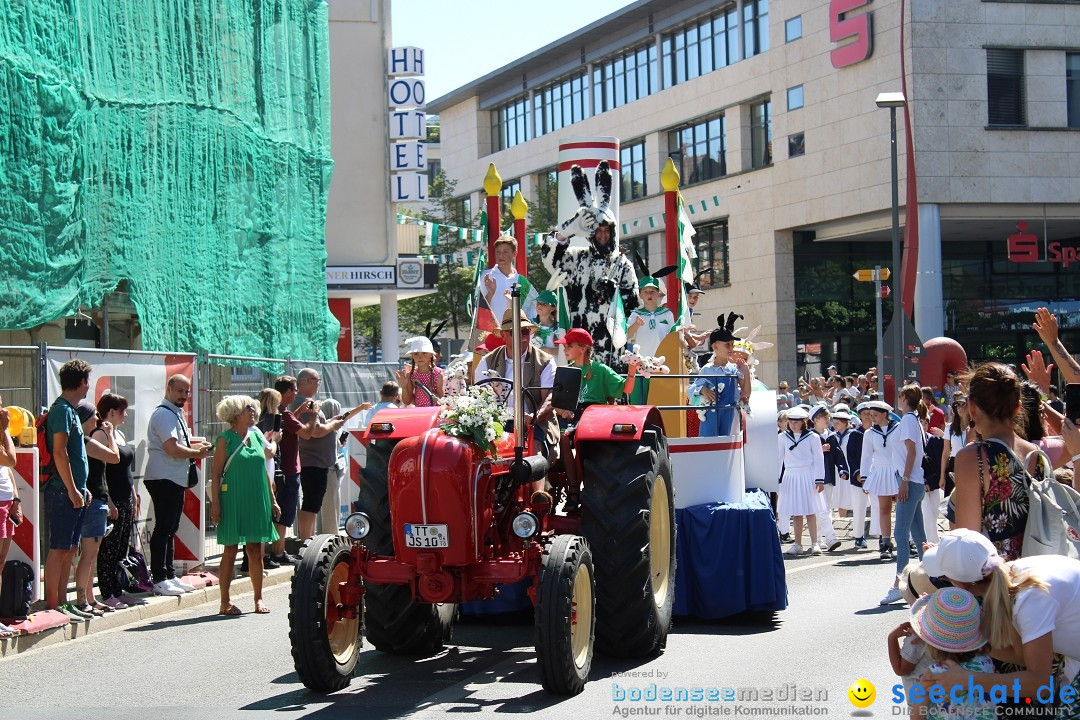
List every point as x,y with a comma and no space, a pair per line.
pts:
1025,247
361,276
856,31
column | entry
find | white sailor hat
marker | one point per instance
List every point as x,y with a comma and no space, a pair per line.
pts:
879,405
798,413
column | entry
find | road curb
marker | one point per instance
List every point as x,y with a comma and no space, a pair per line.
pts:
157,606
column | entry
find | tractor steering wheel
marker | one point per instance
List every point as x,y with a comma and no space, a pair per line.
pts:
526,392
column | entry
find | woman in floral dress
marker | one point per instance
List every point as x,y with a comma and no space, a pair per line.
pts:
991,493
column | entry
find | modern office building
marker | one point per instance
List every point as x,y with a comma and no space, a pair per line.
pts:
768,110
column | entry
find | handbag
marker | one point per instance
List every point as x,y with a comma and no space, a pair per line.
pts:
193,469
1053,522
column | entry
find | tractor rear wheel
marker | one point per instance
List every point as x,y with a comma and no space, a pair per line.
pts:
628,517
565,615
325,646
394,622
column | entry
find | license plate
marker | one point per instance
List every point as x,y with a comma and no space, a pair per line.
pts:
426,536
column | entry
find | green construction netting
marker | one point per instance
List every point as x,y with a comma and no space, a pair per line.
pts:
181,146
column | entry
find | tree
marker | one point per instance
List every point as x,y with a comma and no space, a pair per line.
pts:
543,218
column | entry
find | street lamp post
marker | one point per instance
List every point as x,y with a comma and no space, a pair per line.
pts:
894,100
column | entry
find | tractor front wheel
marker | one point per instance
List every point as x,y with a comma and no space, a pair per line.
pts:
565,615
395,622
628,517
325,645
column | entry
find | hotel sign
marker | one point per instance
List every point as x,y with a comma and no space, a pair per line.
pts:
406,98
855,31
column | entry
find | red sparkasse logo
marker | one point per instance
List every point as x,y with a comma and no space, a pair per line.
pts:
1024,248
859,27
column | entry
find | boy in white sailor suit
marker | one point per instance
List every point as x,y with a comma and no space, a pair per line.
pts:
804,479
835,465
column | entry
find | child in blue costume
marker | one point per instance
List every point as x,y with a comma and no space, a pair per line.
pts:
723,382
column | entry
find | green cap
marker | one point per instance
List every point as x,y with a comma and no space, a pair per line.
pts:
650,282
548,298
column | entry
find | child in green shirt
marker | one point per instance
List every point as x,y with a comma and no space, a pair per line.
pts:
599,384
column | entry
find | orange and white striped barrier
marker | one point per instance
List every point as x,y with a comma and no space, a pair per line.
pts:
27,545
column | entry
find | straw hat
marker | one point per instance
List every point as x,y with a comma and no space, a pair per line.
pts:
914,582
948,620
508,320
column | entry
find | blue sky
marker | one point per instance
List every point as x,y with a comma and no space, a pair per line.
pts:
467,39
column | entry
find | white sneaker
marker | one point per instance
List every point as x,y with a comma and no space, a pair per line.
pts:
166,587
815,549
794,549
181,585
892,596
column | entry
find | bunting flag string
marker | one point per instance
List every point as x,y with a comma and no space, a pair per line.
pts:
656,222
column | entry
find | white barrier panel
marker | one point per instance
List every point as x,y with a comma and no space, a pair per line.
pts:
27,545
762,457
707,470
357,458
587,152
140,377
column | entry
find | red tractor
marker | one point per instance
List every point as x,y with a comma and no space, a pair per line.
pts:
442,522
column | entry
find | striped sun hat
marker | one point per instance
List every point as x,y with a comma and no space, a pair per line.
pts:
948,620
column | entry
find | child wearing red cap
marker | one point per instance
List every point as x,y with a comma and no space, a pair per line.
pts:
599,384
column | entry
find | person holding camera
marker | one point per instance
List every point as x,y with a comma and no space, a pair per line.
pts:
318,448
169,464
287,482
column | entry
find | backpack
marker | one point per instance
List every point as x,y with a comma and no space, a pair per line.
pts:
45,461
132,573
18,590
1053,523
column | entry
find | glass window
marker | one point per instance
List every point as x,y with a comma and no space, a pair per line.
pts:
711,243
461,211
639,245
509,124
795,97
700,47
755,27
761,134
624,78
433,168
1005,87
796,145
1072,88
632,171
559,104
508,191
699,150
793,28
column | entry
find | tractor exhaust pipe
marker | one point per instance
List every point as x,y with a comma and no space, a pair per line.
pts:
519,392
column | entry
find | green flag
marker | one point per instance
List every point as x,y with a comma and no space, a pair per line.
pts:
616,321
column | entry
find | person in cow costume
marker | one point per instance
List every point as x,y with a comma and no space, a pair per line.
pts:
595,273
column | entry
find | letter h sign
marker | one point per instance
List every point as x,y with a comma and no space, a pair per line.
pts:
859,29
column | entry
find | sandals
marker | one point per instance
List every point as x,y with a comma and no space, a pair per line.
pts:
261,609
230,611
87,608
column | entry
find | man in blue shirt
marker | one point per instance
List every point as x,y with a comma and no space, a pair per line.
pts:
65,493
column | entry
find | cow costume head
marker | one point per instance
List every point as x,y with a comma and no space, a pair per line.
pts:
604,235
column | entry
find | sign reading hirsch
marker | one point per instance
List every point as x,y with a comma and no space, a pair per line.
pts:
360,276
857,29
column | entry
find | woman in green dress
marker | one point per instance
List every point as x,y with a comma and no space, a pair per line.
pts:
241,494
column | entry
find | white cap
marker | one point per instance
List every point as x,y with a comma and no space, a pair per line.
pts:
962,555
798,413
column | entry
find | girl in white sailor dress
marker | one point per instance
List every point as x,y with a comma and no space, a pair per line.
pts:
880,481
804,479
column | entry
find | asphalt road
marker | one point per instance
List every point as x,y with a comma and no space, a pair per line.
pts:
193,664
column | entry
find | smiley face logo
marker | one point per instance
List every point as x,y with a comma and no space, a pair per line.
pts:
861,693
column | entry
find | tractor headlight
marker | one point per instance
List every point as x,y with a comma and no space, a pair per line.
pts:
357,526
525,525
